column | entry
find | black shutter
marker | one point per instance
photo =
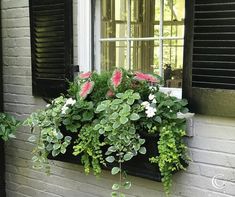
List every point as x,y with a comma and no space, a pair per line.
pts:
209,81
51,46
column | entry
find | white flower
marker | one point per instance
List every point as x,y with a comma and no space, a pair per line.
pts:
146,104
48,105
150,112
151,97
154,101
70,101
64,109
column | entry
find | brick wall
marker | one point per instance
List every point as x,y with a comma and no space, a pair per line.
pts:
212,147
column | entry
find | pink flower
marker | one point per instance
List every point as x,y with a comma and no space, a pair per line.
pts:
85,75
145,77
117,78
86,89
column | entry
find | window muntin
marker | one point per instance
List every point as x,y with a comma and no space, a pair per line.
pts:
143,35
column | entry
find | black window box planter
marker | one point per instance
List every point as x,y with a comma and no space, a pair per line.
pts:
139,165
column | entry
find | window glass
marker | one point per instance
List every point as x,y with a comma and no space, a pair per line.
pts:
144,35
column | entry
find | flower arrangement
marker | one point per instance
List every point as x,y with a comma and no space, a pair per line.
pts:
107,112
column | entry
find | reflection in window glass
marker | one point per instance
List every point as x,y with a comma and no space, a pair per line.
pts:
133,36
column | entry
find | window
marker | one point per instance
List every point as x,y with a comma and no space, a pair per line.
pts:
142,35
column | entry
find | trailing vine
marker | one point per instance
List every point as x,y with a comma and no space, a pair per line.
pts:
172,154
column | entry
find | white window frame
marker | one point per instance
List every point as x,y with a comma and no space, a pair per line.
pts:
85,39
84,29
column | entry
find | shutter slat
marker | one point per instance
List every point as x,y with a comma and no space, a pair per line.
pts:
213,64
214,43
214,50
214,29
207,58
215,7
51,34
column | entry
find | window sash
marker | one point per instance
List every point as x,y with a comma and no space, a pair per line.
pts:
128,39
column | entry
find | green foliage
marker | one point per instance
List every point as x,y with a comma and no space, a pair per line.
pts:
117,124
89,145
79,114
50,139
8,126
172,153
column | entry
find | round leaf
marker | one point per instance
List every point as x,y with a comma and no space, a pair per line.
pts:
115,186
115,170
128,156
142,150
110,159
134,116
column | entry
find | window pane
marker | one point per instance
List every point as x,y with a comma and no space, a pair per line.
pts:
145,18
173,62
174,11
114,54
114,18
144,56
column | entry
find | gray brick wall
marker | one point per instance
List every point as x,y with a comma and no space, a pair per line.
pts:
212,148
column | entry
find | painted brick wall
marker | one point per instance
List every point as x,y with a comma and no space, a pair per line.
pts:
212,147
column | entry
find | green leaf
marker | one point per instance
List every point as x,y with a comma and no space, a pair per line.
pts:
112,149
56,146
115,186
126,108
55,152
142,150
68,139
114,194
101,131
142,141
59,136
130,101
115,170
116,125
119,95
123,120
32,138
128,156
134,116
114,116
116,102
100,108
158,119
110,159
127,185
97,127
87,116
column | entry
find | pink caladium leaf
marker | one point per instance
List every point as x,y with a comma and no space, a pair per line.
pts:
145,77
85,75
86,89
116,78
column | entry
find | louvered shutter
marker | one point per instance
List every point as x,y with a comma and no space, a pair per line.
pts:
51,46
209,79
